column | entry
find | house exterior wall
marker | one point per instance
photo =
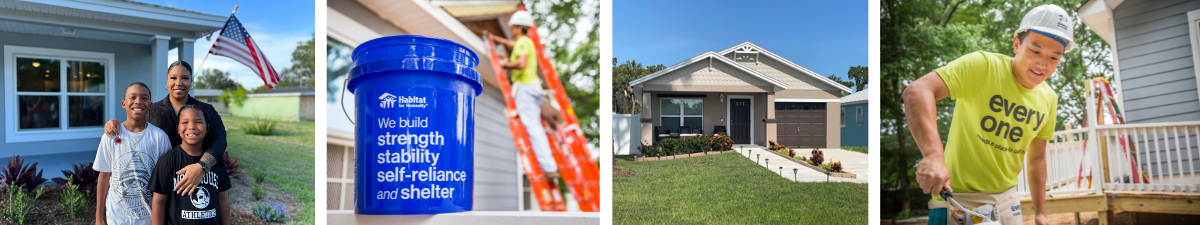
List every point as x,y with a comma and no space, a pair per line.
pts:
130,63
1157,71
854,134
833,138
497,177
698,74
795,80
286,108
308,107
1156,61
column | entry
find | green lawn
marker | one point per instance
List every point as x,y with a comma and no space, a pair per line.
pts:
728,189
287,156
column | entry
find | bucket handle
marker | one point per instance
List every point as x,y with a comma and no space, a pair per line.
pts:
343,98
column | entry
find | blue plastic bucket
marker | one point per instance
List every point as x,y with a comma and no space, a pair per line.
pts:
415,125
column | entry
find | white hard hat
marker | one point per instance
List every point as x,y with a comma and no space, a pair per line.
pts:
521,18
1052,21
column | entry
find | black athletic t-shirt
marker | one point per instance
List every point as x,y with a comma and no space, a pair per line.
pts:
201,207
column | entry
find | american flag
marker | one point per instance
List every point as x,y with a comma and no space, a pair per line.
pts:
236,44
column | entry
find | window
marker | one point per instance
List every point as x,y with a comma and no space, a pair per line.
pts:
843,117
56,94
681,112
859,120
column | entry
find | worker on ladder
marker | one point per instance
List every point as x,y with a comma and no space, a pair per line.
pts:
527,88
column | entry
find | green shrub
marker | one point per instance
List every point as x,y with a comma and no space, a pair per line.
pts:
19,204
73,201
259,176
825,166
269,212
260,125
258,191
688,145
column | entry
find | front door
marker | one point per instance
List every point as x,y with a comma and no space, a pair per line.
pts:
739,121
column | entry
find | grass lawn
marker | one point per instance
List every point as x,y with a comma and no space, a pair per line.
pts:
287,157
728,189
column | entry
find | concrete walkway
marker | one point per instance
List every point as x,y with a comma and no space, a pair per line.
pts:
773,162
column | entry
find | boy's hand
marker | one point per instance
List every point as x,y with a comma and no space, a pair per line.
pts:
192,174
112,128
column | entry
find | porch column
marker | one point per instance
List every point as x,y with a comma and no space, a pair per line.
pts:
186,51
770,122
647,120
159,45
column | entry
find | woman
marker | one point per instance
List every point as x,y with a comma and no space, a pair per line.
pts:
164,114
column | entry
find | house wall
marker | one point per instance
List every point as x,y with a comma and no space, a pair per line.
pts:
130,63
699,74
308,108
1157,71
497,177
795,80
286,108
217,104
1156,61
833,138
854,134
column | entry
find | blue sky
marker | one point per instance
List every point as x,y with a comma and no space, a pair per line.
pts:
277,26
827,37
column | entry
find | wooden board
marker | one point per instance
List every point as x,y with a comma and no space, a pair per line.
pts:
1066,204
1170,204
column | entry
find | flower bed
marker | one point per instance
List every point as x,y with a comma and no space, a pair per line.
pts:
815,161
686,147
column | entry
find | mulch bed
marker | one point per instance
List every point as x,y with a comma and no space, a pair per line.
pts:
817,168
49,210
680,156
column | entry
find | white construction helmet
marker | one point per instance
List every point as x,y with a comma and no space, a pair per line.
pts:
521,18
1052,21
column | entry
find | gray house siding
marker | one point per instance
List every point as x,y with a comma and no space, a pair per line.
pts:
496,174
1152,42
1158,77
131,61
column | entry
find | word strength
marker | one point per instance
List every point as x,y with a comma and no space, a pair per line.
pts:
422,140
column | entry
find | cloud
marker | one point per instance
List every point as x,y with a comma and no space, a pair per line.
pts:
277,46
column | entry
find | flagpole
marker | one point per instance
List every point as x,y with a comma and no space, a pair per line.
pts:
235,8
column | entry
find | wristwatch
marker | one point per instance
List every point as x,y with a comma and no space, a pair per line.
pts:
203,166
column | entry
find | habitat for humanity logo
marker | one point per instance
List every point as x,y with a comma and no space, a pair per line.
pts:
388,101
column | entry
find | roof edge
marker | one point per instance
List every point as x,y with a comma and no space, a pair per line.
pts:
700,57
788,63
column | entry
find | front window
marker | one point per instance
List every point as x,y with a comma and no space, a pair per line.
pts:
56,94
843,117
859,120
678,112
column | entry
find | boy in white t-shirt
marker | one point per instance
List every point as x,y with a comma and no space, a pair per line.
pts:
126,162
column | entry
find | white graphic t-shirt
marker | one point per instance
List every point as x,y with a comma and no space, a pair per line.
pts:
131,163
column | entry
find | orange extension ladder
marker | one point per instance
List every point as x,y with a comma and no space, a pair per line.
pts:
567,140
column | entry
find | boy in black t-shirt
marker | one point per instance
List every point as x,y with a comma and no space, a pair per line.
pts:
208,204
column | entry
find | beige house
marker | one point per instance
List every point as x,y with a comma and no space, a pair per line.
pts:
752,94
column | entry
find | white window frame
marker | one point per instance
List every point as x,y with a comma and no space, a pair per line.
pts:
13,134
1194,35
843,117
859,118
728,101
681,116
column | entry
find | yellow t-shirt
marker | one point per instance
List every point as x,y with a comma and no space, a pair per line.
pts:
524,46
995,120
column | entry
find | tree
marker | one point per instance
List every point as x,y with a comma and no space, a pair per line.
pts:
624,101
858,74
216,79
577,60
303,66
337,64
839,80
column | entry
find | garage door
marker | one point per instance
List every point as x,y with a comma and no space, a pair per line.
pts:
801,125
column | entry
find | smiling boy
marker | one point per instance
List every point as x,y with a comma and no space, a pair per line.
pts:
1003,116
122,192
208,202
